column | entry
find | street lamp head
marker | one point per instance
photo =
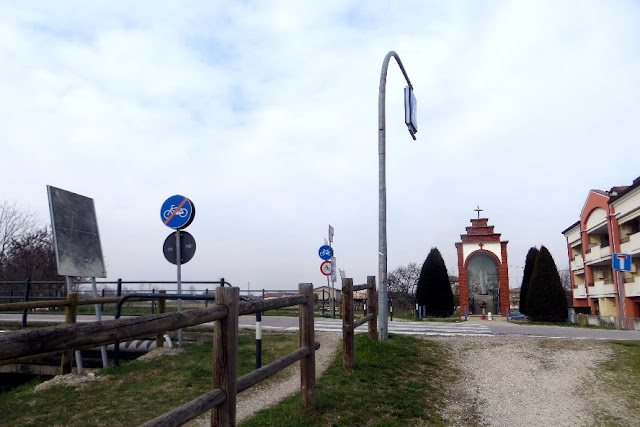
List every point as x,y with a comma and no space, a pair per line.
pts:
411,111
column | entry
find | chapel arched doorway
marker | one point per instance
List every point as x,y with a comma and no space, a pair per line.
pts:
484,289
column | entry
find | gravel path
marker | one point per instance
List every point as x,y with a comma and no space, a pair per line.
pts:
519,381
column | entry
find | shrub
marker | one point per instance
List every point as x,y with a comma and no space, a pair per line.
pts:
546,300
434,291
529,263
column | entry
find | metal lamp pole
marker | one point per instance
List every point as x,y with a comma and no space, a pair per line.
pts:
383,301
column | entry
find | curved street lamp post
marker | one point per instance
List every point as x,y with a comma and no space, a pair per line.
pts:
383,301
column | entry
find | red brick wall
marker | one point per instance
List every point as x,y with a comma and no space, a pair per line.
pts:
503,280
463,282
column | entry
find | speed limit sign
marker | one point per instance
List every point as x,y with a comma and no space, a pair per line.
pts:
325,268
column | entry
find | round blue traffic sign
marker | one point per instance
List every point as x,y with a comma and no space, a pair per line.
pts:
325,252
177,212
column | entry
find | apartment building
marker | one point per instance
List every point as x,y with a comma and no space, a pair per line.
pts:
609,223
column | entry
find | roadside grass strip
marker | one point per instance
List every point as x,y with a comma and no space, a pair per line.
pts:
136,392
396,383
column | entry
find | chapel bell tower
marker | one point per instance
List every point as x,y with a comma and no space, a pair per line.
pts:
483,269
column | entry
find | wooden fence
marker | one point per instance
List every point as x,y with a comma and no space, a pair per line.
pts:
22,344
349,325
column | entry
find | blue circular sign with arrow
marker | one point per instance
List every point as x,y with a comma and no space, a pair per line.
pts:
177,212
325,252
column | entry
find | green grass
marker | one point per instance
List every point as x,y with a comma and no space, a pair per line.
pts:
396,383
622,371
137,391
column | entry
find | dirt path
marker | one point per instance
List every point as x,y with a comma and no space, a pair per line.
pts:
518,381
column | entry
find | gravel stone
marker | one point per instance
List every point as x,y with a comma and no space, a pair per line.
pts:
521,381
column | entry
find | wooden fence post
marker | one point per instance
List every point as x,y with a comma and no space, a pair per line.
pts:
225,351
69,318
348,353
307,339
372,302
162,303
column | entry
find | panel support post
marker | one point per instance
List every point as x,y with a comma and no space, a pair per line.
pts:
162,304
225,353
307,339
69,318
348,332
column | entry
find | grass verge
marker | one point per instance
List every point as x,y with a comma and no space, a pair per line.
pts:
396,383
137,391
622,371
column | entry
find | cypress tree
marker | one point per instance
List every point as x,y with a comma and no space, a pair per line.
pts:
546,300
433,290
529,263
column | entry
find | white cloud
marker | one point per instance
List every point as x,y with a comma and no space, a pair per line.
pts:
265,114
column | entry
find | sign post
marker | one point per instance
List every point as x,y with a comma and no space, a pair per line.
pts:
621,262
178,212
326,254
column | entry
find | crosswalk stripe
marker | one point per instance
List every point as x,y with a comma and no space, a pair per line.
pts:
404,328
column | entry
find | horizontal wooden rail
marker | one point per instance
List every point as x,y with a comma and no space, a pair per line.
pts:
272,368
357,288
189,411
16,344
363,320
251,307
246,307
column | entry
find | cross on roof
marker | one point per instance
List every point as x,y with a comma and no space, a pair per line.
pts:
478,210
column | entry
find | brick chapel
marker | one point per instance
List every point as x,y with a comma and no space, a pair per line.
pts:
483,269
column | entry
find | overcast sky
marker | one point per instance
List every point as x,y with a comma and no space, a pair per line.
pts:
264,114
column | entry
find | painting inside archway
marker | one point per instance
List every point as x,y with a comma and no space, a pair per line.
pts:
483,285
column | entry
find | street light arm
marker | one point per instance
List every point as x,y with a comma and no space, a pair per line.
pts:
385,67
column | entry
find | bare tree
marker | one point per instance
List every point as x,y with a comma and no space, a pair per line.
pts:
14,222
402,286
565,279
31,256
404,280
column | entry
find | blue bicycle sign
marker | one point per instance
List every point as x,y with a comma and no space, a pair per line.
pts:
325,252
177,212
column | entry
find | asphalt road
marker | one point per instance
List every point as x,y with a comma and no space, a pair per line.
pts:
473,327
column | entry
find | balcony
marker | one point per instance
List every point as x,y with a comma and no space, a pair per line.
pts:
602,288
577,263
597,253
632,245
632,288
580,292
